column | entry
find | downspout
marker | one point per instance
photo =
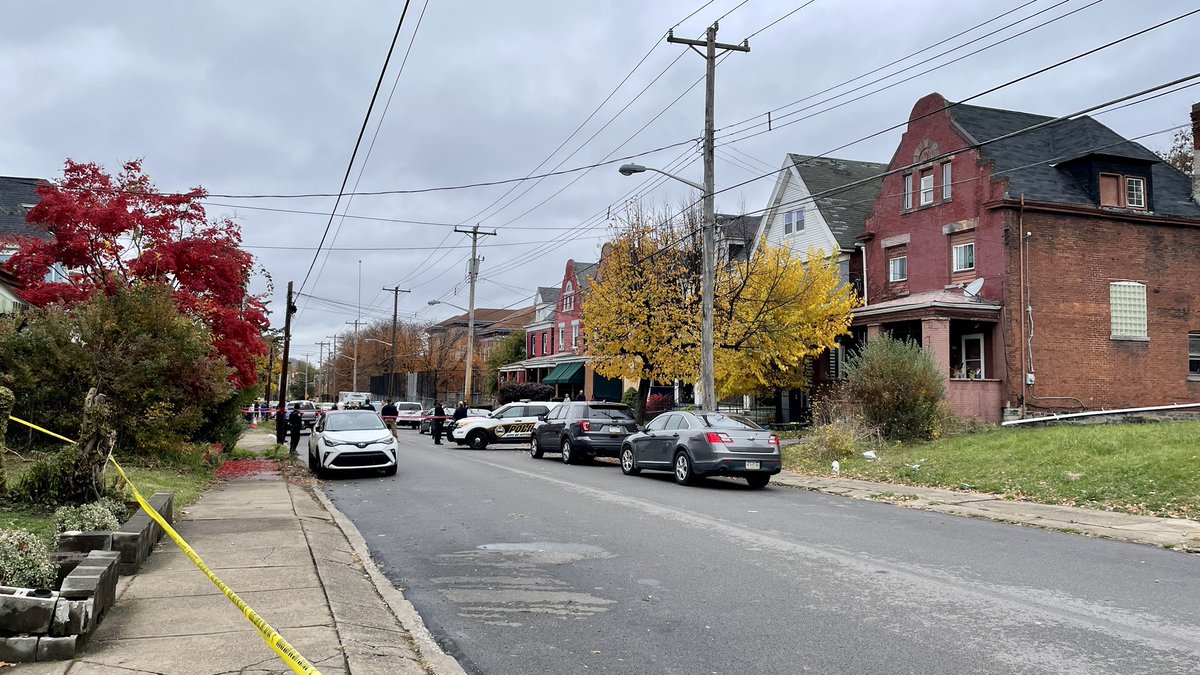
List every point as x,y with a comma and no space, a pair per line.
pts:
1021,279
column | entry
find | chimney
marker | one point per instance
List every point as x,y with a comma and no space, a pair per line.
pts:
1196,152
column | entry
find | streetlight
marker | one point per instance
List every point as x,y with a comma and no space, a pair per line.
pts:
470,344
708,388
386,344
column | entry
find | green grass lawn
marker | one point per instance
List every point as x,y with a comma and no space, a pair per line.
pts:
1151,469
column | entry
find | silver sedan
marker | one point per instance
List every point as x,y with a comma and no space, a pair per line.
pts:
693,445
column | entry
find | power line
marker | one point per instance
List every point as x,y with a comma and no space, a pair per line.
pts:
747,38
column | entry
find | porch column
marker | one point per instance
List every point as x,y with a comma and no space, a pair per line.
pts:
874,330
588,375
935,338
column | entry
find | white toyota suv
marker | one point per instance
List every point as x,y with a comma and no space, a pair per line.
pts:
510,423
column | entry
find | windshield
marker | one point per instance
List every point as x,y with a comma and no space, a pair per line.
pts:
721,421
353,421
408,406
616,412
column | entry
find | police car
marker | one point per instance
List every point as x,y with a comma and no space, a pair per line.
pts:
510,423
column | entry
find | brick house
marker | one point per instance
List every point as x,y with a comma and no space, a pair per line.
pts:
1082,249
448,346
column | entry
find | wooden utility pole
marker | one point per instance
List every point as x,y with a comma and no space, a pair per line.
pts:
391,390
280,413
322,379
354,375
708,389
473,275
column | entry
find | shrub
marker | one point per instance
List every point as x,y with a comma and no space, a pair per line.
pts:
659,403
91,517
24,560
898,388
60,478
534,391
630,397
842,439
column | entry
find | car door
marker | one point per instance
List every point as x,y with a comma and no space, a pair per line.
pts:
529,419
549,432
649,447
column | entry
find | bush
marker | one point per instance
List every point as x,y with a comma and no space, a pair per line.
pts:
24,561
60,478
630,398
842,439
898,388
93,517
533,391
659,403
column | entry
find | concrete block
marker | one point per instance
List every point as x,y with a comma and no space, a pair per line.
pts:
79,617
56,648
81,584
18,649
65,562
84,541
22,613
62,617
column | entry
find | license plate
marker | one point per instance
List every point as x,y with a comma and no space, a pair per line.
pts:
753,466
613,430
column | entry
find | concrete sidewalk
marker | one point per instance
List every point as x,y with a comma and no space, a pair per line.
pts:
1174,533
278,547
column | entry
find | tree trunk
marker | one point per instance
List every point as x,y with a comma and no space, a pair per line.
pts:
643,394
6,406
96,439
779,406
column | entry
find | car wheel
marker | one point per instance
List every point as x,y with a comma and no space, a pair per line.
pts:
535,448
567,456
390,471
684,475
628,466
758,480
314,465
477,440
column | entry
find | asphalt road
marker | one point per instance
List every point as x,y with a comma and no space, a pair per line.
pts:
531,566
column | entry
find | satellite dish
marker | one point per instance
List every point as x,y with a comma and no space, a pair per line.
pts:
972,288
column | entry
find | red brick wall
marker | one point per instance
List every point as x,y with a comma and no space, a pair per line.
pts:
1072,260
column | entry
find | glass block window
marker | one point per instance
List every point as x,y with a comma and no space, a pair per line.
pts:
1127,302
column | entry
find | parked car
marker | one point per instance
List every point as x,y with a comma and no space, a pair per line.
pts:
579,430
426,426
698,444
351,439
308,411
409,414
510,423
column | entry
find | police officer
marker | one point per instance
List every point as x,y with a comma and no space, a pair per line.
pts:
461,411
389,412
439,419
295,422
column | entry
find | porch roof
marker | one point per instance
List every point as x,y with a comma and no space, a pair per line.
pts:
946,303
543,362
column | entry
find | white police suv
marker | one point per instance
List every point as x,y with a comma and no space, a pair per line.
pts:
510,423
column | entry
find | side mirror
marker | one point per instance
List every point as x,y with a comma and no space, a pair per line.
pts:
541,418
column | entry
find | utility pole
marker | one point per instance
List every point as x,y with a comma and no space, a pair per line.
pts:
334,355
392,362
708,389
280,421
322,376
354,376
306,377
473,275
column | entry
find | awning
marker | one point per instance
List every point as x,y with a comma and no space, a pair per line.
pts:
565,373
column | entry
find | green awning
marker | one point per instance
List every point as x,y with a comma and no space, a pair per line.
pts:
565,373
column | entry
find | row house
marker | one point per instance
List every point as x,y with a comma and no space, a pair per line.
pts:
448,346
1058,269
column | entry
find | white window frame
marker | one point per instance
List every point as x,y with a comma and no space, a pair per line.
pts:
908,191
1194,356
562,336
893,268
575,334
569,297
947,181
966,374
787,222
954,255
1141,192
927,191
798,220
1127,310
544,343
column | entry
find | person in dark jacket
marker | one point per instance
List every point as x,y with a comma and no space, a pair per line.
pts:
295,423
439,419
461,411
389,413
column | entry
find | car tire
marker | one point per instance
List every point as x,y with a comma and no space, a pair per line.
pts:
684,473
390,471
568,455
314,465
535,448
477,440
758,480
629,465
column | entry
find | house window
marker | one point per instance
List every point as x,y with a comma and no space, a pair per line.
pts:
562,337
1127,304
793,221
898,268
947,181
908,191
574,335
964,257
1194,356
1122,191
544,343
972,366
569,298
926,187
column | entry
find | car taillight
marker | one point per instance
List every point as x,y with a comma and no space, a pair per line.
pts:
717,437
585,425
772,440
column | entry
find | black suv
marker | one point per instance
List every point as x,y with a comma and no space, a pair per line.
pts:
583,429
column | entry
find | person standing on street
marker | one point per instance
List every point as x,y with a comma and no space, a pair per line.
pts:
439,419
389,412
461,411
295,422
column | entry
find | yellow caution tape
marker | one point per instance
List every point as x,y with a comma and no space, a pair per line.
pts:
274,640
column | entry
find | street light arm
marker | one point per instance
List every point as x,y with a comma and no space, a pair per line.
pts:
681,180
443,302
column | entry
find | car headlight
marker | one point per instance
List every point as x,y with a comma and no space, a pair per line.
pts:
389,439
332,443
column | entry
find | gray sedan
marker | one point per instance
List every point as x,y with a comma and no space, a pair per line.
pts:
693,445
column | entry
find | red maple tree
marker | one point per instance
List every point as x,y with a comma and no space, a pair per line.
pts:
114,231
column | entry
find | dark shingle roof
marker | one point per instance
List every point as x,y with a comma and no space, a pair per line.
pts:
584,273
740,228
1028,160
548,294
845,210
15,195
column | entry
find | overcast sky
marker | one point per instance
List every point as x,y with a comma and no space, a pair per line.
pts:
267,97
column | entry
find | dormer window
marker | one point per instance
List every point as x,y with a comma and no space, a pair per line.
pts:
569,298
1123,192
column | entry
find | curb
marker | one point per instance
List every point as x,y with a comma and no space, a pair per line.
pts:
437,660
